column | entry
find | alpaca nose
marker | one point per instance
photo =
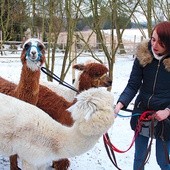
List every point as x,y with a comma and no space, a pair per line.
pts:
33,52
110,82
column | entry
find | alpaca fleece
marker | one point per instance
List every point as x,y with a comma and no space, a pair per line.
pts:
38,139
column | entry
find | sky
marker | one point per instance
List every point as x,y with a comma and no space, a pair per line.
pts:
120,133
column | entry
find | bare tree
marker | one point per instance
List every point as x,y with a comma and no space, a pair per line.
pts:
153,12
50,17
55,24
96,27
146,8
161,10
5,18
72,9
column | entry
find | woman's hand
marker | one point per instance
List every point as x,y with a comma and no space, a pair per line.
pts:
162,114
118,107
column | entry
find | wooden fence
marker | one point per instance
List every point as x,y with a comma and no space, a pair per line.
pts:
15,47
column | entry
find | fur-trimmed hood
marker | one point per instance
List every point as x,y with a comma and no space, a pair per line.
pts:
145,57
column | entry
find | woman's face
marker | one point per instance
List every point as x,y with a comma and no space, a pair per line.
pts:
157,46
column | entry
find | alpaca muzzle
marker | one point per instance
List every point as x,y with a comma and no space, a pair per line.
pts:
34,54
102,81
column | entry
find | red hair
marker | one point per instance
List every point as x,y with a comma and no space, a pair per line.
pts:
163,31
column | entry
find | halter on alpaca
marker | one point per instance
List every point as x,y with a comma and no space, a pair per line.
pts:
97,81
33,53
30,50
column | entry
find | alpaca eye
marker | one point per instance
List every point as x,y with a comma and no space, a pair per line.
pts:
96,74
40,46
27,46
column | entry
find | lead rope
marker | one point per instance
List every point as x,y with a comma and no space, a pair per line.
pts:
164,145
110,148
55,77
148,153
137,131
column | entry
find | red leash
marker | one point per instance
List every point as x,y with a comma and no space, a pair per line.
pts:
108,142
145,116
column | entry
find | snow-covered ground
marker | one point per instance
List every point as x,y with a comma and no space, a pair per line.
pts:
120,133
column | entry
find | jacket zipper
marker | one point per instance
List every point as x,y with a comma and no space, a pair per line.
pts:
156,75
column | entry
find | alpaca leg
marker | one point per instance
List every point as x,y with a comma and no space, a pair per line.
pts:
62,164
13,163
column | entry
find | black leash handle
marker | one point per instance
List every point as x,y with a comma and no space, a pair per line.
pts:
110,152
55,77
127,110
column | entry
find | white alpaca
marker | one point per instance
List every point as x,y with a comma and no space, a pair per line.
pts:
38,139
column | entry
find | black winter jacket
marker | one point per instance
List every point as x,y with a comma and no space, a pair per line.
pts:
150,80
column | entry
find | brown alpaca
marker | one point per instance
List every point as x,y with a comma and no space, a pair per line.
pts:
32,57
28,87
90,74
93,75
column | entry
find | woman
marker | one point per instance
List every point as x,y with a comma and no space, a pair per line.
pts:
150,80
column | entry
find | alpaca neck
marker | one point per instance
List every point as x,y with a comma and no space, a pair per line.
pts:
28,87
83,143
78,83
84,83
75,143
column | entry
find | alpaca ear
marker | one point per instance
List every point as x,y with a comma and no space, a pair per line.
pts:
79,67
89,113
82,109
72,110
23,59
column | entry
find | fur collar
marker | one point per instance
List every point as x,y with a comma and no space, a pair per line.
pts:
145,57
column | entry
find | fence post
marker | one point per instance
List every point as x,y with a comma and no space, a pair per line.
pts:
1,46
73,57
134,46
1,36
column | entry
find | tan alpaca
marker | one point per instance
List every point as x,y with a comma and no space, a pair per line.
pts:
38,139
